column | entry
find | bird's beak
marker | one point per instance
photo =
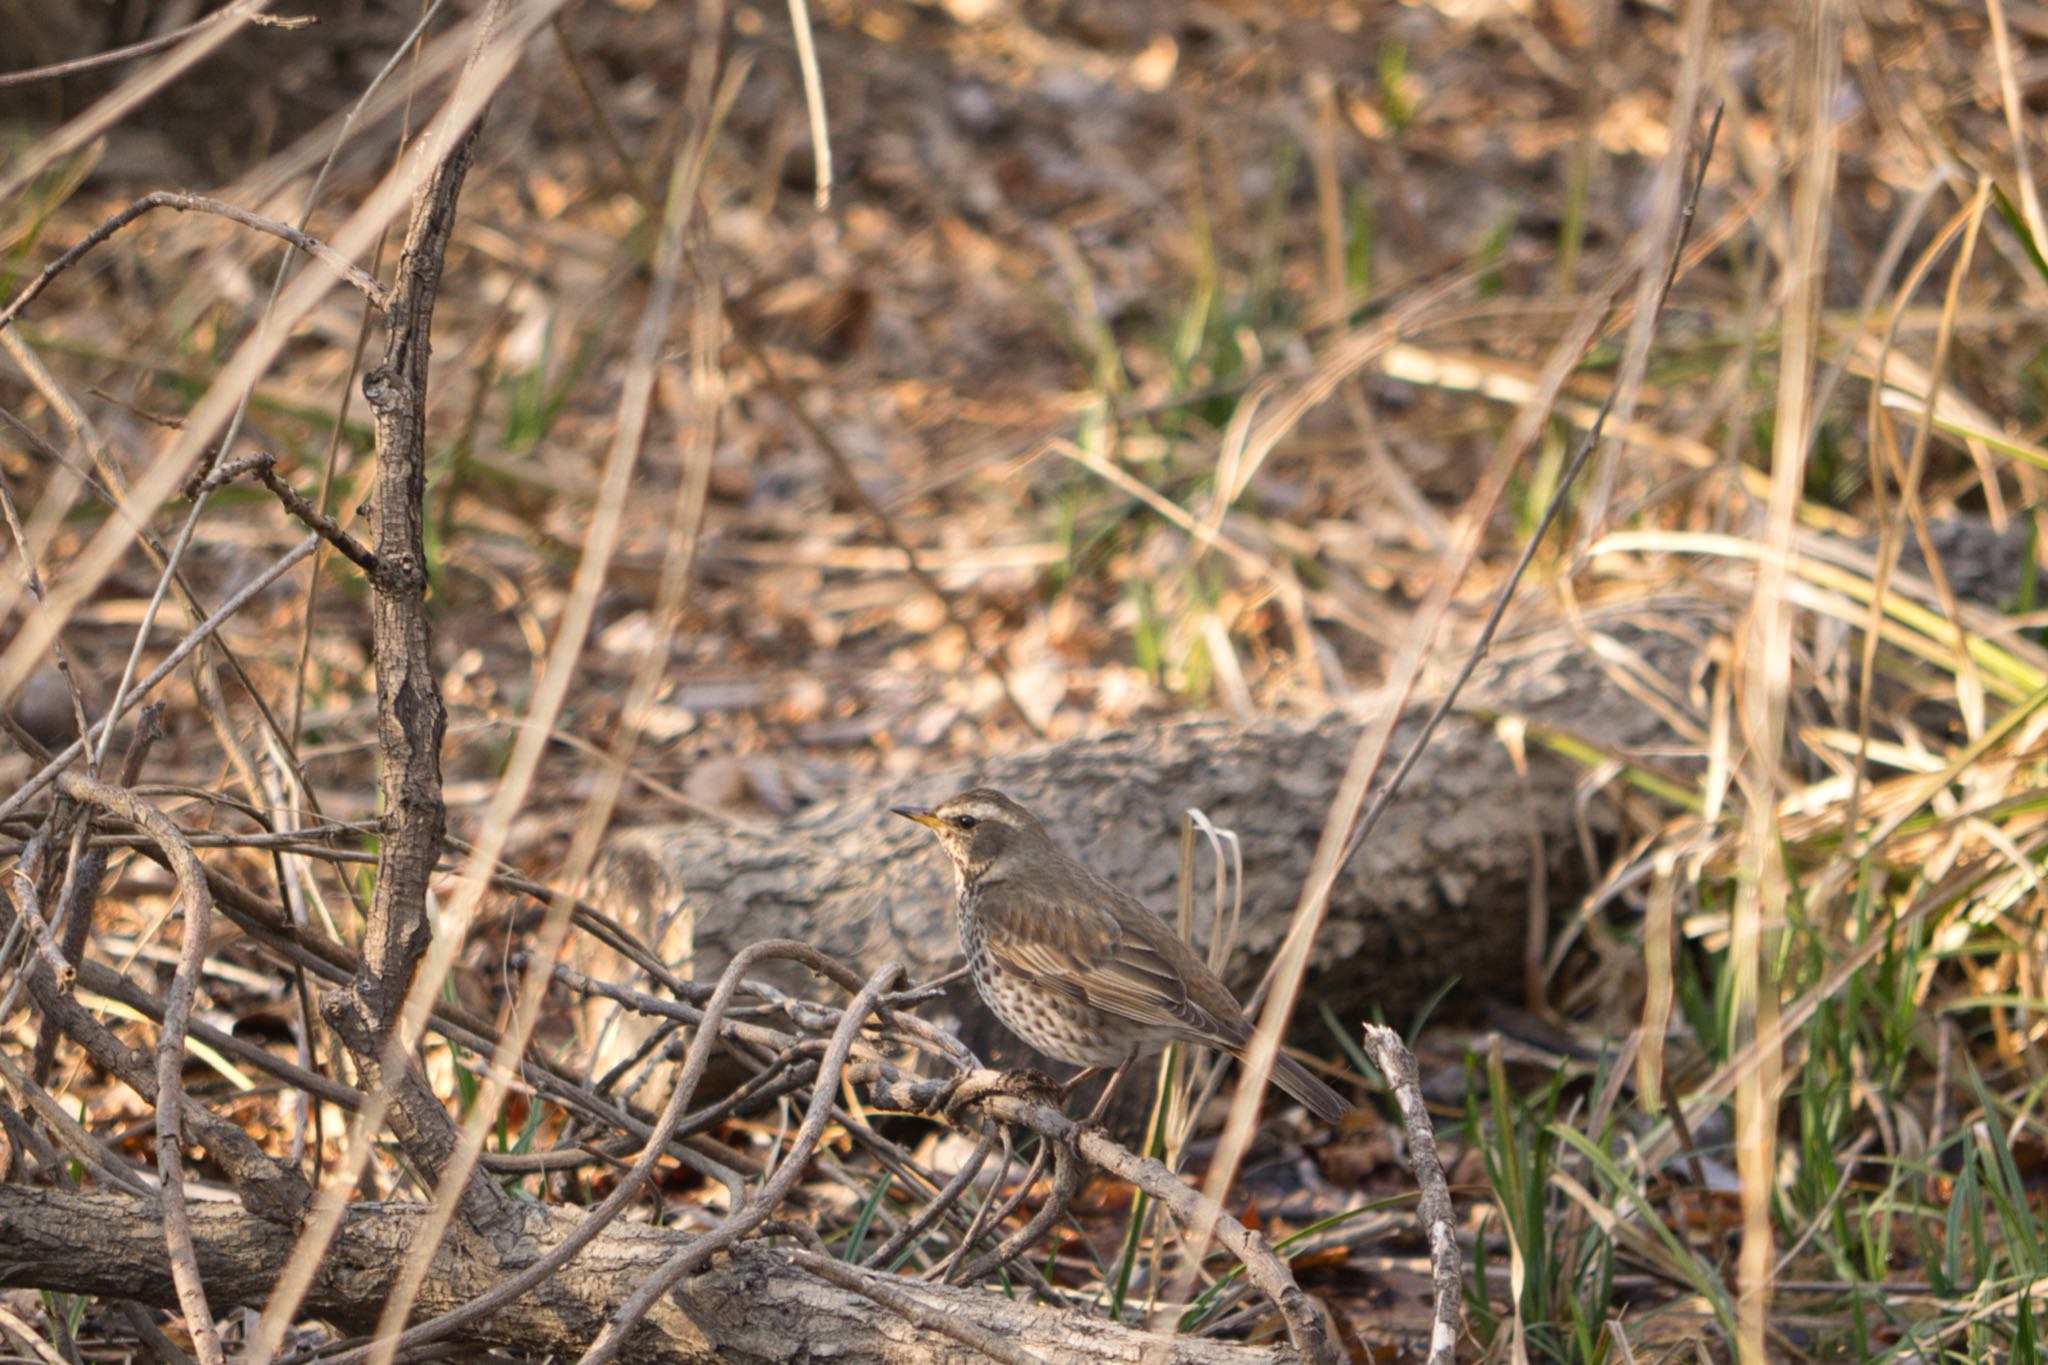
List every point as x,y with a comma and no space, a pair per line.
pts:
921,814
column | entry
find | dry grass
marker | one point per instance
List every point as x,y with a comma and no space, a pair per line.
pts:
1204,360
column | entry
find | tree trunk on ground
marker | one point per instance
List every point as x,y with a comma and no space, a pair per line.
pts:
1441,894
750,1306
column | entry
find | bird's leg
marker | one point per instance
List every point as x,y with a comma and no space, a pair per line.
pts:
970,1086
1076,1081
1116,1078
1093,1123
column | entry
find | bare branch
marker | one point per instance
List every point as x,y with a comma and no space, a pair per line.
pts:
34,583
939,1205
70,1134
410,715
1306,1327
1439,1220
263,465
197,203
170,1052
28,1335
749,1305
30,907
70,754
757,1210
82,873
57,71
274,1191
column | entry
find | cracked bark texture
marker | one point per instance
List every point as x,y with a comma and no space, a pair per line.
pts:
750,1307
1441,893
1440,896
411,718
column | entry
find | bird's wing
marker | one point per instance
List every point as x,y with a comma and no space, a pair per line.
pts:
1128,969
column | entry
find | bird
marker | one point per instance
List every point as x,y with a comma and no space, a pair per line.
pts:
1076,967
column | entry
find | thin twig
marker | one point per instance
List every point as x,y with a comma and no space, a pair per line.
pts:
105,981
814,103
632,1182
21,1330
600,119
151,1335
70,1134
936,1207
29,906
1558,499
24,793
1438,1218
1066,1182
269,1188
773,1192
198,203
1306,1327
111,489
170,1064
194,44
263,465
975,1232
34,583
57,71
82,873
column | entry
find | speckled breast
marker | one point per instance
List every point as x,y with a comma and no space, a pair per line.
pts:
1050,1021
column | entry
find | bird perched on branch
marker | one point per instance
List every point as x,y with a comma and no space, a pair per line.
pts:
1075,967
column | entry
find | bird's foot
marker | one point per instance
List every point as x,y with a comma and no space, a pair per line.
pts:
1021,1082
1093,1122
1078,1129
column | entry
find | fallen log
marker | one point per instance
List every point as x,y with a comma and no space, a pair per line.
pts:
1441,895
751,1306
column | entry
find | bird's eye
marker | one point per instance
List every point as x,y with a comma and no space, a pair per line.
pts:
964,822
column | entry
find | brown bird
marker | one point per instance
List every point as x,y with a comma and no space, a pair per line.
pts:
1075,967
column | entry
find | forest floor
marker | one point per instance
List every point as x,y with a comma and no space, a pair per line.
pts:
1175,340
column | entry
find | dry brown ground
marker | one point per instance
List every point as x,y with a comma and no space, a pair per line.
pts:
1058,233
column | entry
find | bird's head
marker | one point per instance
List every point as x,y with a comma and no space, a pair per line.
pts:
979,829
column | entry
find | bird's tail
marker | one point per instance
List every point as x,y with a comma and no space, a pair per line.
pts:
1296,1079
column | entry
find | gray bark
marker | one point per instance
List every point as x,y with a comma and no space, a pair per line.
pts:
1441,894
749,1308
